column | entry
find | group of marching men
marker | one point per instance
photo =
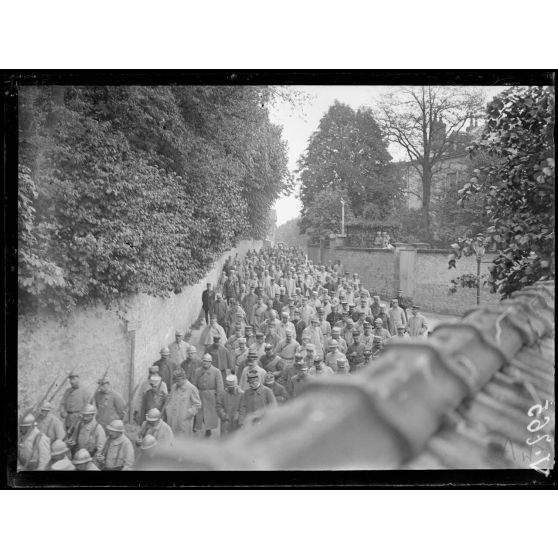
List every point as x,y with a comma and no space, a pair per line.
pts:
274,322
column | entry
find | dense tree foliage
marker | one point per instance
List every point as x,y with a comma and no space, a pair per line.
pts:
323,217
289,233
347,154
425,121
516,188
138,189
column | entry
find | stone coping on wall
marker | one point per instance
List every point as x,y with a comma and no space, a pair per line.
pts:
364,249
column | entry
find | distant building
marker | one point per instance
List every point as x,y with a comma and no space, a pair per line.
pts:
448,172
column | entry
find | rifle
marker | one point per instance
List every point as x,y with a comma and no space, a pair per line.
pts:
39,404
100,383
51,398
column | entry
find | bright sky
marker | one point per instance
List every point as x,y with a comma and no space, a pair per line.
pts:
299,124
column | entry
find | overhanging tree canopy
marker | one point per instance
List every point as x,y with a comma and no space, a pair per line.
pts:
138,189
517,188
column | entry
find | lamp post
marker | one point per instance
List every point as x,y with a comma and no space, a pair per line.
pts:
342,217
480,249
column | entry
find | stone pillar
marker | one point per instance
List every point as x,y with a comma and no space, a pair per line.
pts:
405,269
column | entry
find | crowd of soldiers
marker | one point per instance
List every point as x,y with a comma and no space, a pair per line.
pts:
274,322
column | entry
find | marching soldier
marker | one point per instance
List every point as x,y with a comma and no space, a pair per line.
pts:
88,434
208,301
155,426
34,447
280,393
179,348
298,381
255,398
183,405
110,405
83,461
221,357
319,369
381,336
342,366
59,457
166,367
418,326
192,363
396,317
270,361
287,348
334,355
143,388
148,452
73,401
49,424
355,352
154,398
228,405
118,452
209,382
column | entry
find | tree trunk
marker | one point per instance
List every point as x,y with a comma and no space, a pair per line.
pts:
426,191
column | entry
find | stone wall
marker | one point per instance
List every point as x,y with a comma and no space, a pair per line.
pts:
433,281
375,267
422,274
92,339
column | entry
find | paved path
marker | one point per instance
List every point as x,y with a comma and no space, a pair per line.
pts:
435,319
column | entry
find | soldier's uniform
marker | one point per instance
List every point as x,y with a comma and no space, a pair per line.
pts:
110,406
118,452
73,401
90,436
157,428
228,405
50,425
33,452
209,382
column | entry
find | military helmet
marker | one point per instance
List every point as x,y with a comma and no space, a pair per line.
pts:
28,420
63,465
207,358
165,351
231,380
253,374
269,379
378,321
89,409
81,456
58,447
46,406
116,426
148,442
178,374
153,415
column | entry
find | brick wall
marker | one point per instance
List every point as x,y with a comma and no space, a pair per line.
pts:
94,338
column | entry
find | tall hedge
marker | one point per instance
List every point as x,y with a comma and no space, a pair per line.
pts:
126,190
